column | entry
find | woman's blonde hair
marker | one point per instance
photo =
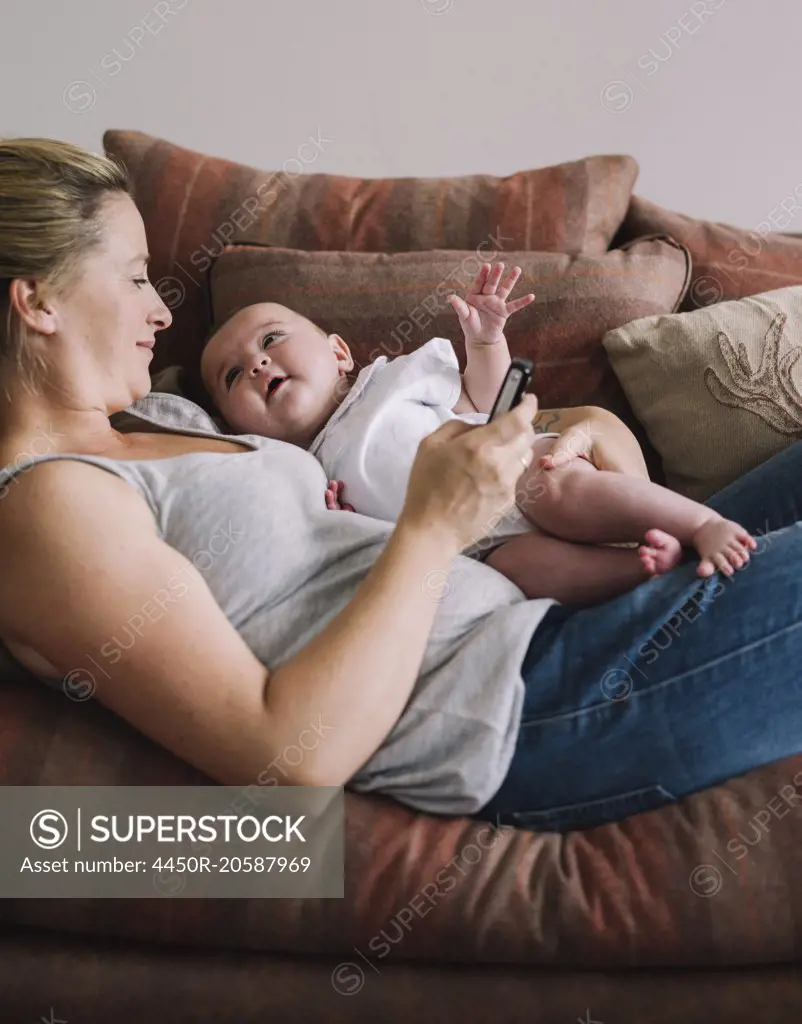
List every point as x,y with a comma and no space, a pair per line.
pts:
51,194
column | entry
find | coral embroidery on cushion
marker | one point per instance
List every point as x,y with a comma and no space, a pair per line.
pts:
769,391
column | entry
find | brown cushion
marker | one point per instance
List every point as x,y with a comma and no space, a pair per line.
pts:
719,389
728,262
194,204
386,304
711,880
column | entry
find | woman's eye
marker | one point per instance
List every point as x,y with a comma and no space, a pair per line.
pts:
140,281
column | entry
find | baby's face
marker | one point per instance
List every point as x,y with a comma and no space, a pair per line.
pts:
244,360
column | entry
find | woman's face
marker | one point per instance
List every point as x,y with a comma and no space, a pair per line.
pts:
107,319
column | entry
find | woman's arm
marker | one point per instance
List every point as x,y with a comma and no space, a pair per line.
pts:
357,674
82,560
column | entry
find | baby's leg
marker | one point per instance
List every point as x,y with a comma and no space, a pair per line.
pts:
570,573
581,503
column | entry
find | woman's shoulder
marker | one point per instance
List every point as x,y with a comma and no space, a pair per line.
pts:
17,476
50,491
63,525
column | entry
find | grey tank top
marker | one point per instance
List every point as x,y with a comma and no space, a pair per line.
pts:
282,566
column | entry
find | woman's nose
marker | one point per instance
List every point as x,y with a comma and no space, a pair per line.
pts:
161,317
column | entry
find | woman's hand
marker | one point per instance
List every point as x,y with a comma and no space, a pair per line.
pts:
334,495
597,435
464,476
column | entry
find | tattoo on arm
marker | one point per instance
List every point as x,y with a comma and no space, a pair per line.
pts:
547,421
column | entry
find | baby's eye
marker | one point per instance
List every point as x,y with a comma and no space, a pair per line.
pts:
230,377
272,334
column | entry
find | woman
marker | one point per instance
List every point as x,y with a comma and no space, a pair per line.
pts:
226,613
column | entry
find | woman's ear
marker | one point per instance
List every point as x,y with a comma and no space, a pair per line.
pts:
29,299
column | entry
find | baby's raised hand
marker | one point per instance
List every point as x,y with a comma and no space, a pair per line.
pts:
484,310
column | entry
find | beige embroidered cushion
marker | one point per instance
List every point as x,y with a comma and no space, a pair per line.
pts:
719,389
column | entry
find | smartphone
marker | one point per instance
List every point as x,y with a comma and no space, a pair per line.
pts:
513,387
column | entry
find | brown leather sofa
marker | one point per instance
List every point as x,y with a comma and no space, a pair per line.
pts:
691,913
652,919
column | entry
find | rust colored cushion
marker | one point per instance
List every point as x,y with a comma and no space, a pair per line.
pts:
387,304
193,205
711,880
728,262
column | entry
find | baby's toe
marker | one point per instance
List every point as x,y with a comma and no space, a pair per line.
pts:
722,563
650,559
705,567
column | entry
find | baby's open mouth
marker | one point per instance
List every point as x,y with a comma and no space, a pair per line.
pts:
274,385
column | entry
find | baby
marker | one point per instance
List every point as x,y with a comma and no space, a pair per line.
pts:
272,372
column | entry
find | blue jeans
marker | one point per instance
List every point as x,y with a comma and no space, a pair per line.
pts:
677,685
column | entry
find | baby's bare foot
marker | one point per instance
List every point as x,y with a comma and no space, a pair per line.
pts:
722,544
661,554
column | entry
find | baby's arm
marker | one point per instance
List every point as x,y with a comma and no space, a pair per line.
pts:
482,314
485,370
464,403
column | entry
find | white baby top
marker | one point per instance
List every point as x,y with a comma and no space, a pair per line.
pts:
371,440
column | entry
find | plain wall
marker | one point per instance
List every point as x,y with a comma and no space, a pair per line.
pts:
704,95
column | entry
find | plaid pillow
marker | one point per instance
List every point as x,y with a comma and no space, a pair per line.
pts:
193,205
386,304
